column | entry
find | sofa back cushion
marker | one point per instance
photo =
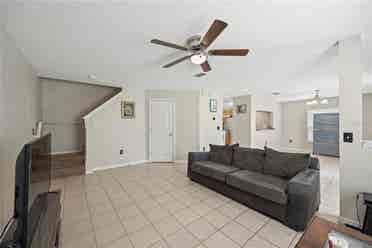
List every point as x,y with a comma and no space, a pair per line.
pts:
283,164
221,154
249,159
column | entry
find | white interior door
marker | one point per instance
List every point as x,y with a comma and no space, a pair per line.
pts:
161,130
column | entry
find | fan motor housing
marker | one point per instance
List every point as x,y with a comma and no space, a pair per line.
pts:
193,43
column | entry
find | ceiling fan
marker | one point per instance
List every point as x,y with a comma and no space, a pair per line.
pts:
197,47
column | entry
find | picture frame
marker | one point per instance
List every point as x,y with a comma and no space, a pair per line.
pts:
128,110
213,105
242,109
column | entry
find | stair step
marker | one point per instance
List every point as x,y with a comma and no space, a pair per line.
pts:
68,164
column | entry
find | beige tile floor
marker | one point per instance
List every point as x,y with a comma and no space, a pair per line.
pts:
157,206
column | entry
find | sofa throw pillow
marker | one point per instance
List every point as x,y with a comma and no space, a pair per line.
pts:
221,154
249,159
283,164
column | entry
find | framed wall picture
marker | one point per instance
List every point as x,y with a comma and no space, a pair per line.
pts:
242,109
128,110
213,105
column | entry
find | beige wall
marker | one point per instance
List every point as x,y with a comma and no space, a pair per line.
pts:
20,109
187,119
209,121
266,102
294,123
107,133
355,160
243,125
240,124
64,103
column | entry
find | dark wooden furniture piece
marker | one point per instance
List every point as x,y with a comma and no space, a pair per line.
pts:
367,223
316,233
47,232
49,223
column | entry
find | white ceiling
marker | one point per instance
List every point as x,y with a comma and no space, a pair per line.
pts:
290,41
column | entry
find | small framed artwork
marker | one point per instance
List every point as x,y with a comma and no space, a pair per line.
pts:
128,110
213,105
242,109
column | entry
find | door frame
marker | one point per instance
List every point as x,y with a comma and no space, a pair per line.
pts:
172,101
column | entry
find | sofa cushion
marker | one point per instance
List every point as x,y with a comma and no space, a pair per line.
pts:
212,169
283,164
221,154
248,159
268,187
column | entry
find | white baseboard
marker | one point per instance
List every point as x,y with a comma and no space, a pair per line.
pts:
291,149
113,166
66,152
345,220
180,161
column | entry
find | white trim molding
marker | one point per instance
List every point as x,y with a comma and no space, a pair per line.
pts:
180,161
348,221
102,106
292,149
113,166
66,152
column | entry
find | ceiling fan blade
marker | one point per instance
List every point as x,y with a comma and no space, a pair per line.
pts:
229,52
177,61
168,44
206,67
214,31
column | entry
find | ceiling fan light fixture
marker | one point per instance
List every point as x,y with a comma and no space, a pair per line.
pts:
317,100
198,58
197,47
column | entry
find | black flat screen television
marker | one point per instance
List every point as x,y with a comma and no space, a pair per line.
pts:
33,175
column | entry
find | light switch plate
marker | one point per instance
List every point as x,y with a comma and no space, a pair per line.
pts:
348,137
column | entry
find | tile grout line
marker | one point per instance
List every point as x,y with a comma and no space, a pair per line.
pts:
173,215
136,203
117,215
171,177
185,226
90,212
87,204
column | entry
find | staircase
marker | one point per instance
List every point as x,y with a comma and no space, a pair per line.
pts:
85,98
68,164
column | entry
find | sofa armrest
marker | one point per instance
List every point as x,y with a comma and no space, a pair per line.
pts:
196,156
303,198
314,163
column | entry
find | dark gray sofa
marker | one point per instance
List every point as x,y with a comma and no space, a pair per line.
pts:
285,186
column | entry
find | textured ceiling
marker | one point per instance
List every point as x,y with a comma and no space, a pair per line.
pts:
290,41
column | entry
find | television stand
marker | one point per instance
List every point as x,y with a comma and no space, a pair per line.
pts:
48,229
